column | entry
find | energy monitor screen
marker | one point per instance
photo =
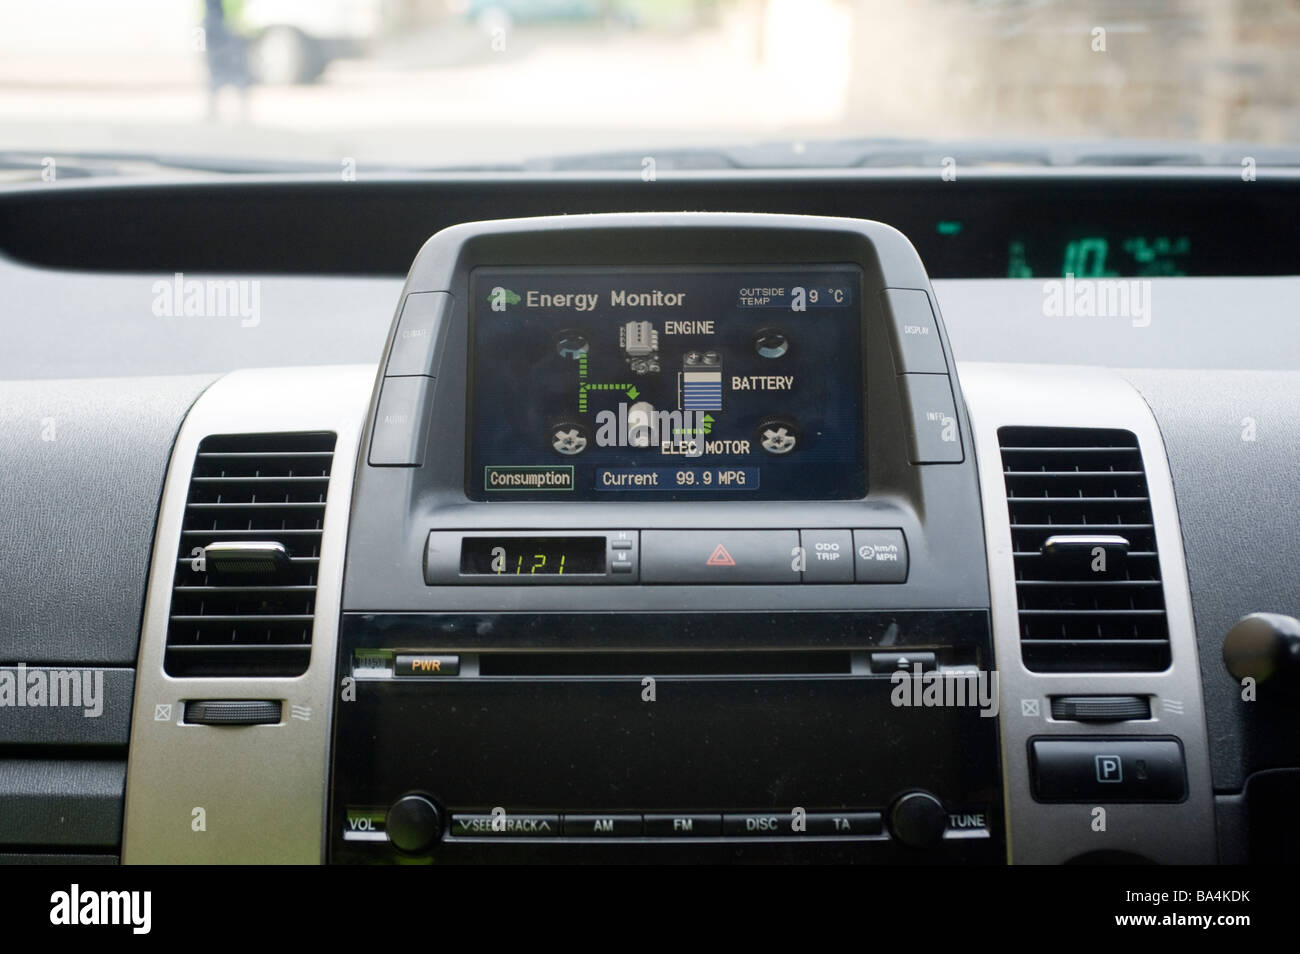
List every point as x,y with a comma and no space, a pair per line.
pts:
724,383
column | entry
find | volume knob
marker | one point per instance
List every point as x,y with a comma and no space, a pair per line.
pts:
414,824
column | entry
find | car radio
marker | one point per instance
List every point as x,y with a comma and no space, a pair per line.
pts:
666,545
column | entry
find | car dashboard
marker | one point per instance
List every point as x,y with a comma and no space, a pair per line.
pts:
858,517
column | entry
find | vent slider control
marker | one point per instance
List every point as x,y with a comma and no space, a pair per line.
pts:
1072,545
254,557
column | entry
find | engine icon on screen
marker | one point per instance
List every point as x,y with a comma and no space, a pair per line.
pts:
639,342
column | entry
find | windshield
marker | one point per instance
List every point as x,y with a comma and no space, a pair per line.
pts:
358,85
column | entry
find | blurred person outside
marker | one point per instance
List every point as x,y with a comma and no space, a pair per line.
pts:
227,54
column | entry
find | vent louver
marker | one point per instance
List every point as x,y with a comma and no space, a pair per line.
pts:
1092,600
246,607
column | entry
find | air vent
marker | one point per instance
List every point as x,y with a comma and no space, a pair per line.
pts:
1087,571
245,607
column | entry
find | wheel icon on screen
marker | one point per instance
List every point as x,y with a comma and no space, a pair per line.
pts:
778,436
572,344
770,343
569,439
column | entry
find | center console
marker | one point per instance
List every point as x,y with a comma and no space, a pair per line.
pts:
666,544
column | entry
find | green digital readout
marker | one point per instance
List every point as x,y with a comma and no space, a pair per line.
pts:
1157,254
532,556
1086,258
1096,256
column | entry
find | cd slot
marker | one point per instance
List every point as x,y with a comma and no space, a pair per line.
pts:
767,663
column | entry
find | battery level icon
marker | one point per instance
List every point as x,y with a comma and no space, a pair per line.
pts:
700,381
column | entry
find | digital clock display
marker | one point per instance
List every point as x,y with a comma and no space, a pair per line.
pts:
1100,256
532,556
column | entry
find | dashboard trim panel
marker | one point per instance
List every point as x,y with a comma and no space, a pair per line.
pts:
261,788
999,395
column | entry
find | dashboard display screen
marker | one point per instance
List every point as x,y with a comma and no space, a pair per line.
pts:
683,383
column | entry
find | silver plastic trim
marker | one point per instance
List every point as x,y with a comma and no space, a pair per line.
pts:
999,395
263,789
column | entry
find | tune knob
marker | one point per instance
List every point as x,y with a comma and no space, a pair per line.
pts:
1262,646
918,820
414,824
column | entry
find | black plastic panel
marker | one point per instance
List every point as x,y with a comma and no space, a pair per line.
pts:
31,858
101,719
706,743
375,228
83,473
61,803
1274,832
1232,439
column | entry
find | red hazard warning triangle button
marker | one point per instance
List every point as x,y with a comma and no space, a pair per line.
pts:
713,556
720,557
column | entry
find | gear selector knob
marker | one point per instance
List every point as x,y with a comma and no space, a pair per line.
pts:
1264,646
